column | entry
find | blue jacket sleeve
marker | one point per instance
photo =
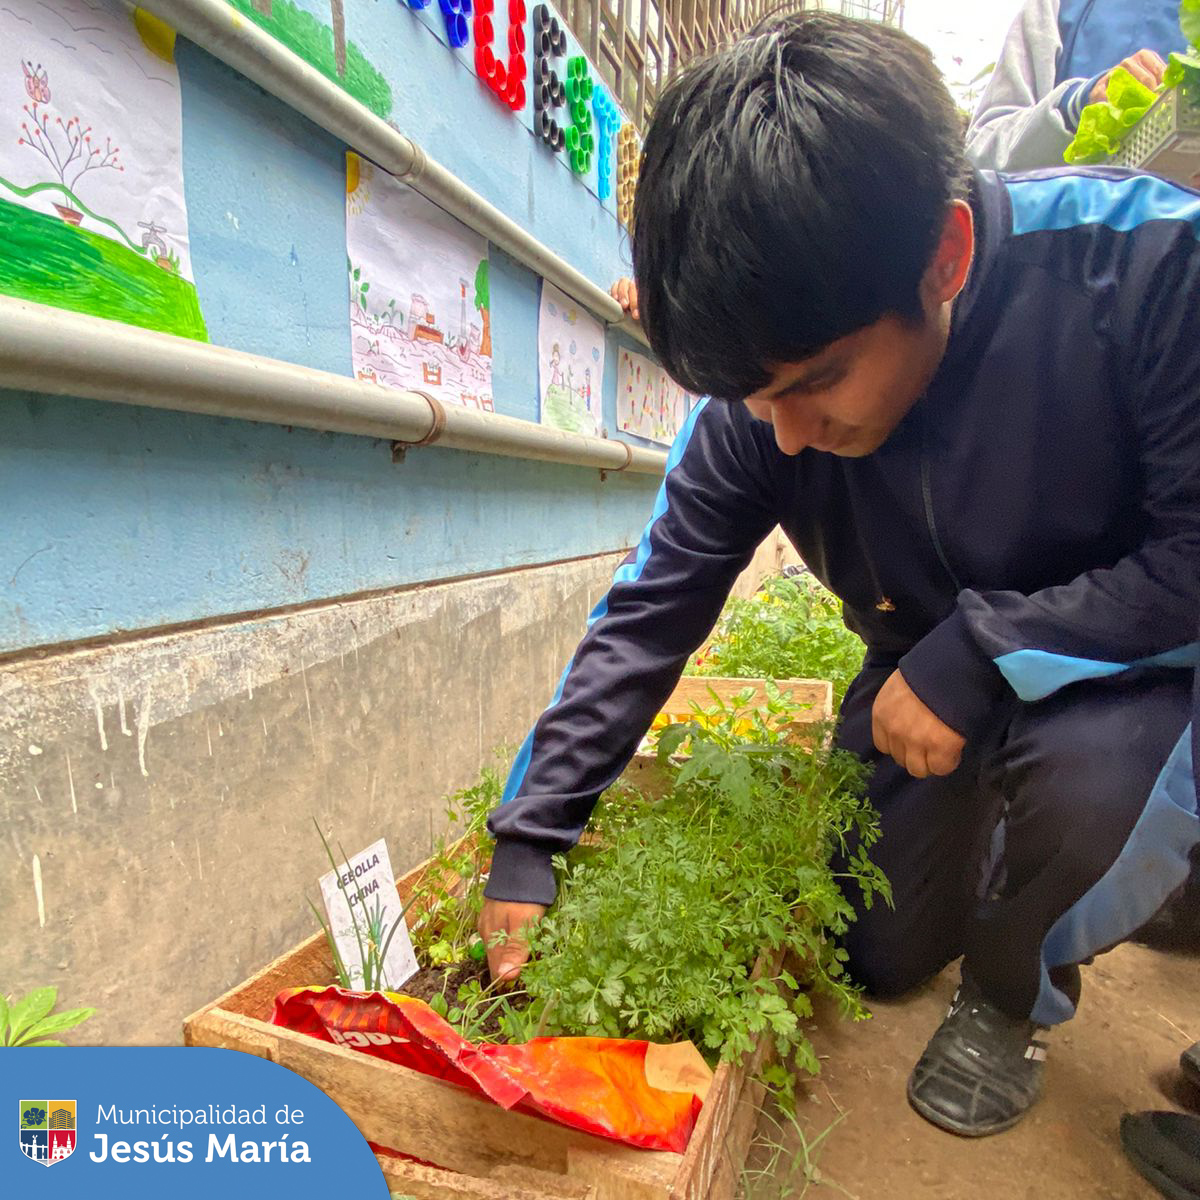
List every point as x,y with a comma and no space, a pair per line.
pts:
1142,609
715,506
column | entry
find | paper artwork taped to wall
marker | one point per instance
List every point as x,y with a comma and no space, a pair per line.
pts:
92,211
570,364
650,404
420,309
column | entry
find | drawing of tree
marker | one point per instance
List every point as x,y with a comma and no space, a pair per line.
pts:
339,35
483,302
67,149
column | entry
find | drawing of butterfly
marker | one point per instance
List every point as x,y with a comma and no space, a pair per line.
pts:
36,82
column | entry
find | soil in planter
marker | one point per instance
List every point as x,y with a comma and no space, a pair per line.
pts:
433,981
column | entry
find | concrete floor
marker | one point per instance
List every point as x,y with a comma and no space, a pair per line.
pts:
1140,1009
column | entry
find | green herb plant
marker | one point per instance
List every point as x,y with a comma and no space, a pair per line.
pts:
792,628
450,896
657,935
31,1020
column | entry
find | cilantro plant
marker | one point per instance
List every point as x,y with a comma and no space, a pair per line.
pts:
791,629
657,935
450,896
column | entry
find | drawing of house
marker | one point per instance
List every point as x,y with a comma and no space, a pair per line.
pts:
422,322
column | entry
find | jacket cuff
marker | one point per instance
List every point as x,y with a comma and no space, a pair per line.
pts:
521,872
953,677
1075,100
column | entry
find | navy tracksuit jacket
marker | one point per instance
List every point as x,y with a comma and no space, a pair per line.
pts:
1025,547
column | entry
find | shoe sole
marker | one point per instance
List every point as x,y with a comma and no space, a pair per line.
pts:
1164,1183
973,1131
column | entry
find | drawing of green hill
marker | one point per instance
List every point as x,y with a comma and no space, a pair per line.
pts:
324,48
51,262
564,411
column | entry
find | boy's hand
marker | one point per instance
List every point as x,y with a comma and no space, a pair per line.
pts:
624,292
509,955
1145,66
911,733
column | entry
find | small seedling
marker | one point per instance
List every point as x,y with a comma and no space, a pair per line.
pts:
30,1021
371,936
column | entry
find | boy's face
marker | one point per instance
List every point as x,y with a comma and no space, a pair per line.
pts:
849,398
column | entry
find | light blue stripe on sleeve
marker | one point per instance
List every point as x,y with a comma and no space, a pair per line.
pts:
1068,201
1036,674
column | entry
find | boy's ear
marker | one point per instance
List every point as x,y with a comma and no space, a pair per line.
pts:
947,273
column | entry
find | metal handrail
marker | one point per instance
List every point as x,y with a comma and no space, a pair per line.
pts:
59,353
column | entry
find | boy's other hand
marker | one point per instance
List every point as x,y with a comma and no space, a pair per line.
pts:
510,954
1145,66
624,292
903,727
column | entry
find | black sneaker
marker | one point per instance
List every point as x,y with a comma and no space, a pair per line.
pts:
1189,1060
982,1070
1165,1148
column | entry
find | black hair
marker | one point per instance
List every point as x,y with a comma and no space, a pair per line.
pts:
793,189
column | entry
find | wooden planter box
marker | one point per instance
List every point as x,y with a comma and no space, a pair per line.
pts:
484,1152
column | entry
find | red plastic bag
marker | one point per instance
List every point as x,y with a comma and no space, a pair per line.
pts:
595,1084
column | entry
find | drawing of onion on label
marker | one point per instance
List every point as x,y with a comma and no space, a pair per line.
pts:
92,212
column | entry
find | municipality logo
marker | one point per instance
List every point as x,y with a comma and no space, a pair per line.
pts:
47,1130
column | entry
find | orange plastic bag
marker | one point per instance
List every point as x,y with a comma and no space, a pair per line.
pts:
595,1084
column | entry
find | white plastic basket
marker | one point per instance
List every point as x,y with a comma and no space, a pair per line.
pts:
1167,139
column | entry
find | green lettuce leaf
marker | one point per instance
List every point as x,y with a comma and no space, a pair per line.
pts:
1103,126
1182,68
1189,20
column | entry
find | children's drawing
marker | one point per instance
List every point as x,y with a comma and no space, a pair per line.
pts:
420,309
570,364
324,47
650,404
92,212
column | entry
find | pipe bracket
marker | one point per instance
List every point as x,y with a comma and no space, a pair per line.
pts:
438,413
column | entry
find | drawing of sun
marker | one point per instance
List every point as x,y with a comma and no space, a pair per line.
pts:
358,190
157,36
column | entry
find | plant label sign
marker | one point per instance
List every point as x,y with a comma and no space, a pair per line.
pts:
366,916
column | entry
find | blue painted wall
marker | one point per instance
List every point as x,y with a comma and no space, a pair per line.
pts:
119,519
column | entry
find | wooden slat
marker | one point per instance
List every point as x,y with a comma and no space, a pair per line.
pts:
622,1173
434,1183
543,1183
737,1143
815,696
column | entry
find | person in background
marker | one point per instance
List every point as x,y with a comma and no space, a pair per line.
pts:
1058,58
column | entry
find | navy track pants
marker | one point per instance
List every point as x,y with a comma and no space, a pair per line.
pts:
1062,832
